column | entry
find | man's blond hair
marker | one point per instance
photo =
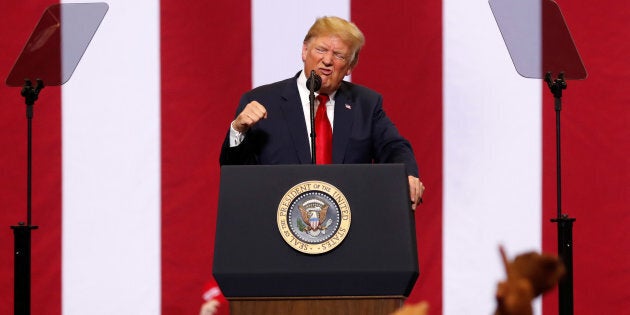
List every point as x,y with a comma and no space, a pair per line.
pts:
347,31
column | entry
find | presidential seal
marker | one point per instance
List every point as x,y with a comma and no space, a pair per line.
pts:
313,217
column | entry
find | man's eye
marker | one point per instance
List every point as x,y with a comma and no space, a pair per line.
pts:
340,57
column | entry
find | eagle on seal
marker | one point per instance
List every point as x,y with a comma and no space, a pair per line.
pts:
312,216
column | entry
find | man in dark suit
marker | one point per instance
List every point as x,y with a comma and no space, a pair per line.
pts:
272,125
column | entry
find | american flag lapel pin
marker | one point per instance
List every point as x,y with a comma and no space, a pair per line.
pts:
348,106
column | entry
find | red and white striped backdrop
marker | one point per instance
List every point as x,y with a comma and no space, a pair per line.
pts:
126,153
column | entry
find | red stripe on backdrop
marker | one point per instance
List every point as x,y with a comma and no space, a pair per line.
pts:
206,66
595,168
402,59
17,22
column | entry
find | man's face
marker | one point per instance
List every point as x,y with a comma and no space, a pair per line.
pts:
330,58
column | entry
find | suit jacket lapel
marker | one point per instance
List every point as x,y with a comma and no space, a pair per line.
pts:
294,117
342,124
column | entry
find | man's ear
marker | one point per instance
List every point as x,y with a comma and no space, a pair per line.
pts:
304,51
349,71
354,64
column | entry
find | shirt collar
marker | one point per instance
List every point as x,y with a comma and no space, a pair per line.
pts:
301,82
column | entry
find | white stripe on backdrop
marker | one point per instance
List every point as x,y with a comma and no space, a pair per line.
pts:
492,158
278,29
111,168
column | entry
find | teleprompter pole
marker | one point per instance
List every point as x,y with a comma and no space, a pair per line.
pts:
565,223
22,231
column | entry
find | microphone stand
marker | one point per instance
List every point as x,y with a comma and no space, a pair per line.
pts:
565,223
313,83
22,232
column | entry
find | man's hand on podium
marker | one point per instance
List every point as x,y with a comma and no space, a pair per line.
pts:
416,190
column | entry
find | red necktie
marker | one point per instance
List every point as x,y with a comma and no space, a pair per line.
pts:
323,132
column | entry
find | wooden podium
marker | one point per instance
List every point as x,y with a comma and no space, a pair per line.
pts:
325,305
371,271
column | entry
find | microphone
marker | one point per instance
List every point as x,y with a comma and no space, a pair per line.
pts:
314,82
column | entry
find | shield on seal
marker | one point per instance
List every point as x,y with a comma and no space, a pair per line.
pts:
313,219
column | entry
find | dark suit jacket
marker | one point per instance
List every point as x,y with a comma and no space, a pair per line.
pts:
362,133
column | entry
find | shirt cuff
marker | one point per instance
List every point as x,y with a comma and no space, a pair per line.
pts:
235,137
